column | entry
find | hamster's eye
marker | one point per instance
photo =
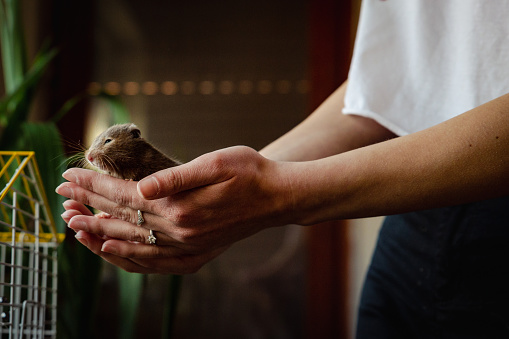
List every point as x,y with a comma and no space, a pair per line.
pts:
107,141
136,133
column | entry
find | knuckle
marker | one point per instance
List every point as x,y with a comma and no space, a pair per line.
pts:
95,182
168,209
187,236
180,235
173,180
125,214
166,213
183,216
121,198
81,195
135,235
97,226
218,160
179,217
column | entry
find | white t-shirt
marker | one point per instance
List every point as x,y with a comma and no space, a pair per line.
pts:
417,63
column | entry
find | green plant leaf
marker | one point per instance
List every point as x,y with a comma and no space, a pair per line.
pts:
14,108
67,106
44,139
119,114
13,44
78,290
170,305
131,287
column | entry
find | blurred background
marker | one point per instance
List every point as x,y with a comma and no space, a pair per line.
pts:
196,77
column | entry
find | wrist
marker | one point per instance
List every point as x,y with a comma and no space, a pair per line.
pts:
313,191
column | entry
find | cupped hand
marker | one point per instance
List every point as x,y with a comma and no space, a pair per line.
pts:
196,210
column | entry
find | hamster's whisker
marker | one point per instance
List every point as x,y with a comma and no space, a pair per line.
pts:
112,164
73,159
75,145
83,163
105,162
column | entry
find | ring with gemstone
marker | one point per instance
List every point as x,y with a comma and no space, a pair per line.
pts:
140,218
151,239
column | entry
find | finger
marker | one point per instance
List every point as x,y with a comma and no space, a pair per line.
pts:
86,197
119,229
208,169
74,205
140,250
123,192
69,214
161,260
94,243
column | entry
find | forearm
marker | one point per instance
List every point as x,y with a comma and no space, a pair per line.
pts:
461,160
326,132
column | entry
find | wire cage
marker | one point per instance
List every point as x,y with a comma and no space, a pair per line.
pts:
28,251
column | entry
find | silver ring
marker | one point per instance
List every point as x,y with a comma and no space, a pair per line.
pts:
151,239
140,219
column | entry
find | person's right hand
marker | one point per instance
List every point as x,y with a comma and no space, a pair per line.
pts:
196,210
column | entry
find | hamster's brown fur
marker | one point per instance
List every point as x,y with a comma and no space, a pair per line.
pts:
121,152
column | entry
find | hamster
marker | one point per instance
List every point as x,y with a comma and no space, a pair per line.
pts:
121,152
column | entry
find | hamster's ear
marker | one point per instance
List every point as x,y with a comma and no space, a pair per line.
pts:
135,131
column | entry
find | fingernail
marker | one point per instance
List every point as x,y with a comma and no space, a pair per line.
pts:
66,216
81,239
64,190
69,176
148,187
78,225
109,248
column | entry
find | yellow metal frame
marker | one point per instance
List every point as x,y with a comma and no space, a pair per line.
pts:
28,172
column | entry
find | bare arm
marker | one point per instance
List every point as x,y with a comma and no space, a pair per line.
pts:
458,161
200,208
326,132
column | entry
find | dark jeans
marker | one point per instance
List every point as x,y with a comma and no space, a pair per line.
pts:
441,273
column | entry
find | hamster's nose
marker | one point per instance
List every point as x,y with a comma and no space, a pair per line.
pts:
90,157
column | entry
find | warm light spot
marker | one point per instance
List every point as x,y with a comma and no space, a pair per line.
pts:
226,87
264,87
283,86
131,88
94,88
149,88
207,87
204,87
246,87
112,88
169,88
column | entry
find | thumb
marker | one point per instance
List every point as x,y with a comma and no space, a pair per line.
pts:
180,178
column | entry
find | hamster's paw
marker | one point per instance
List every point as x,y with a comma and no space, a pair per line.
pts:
103,215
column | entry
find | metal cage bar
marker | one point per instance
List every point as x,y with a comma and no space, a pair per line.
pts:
28,251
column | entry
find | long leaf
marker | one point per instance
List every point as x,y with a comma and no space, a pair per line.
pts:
131,287
15,107
171,304
44,139
119,114
12,44
30,80
67,106
79,275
